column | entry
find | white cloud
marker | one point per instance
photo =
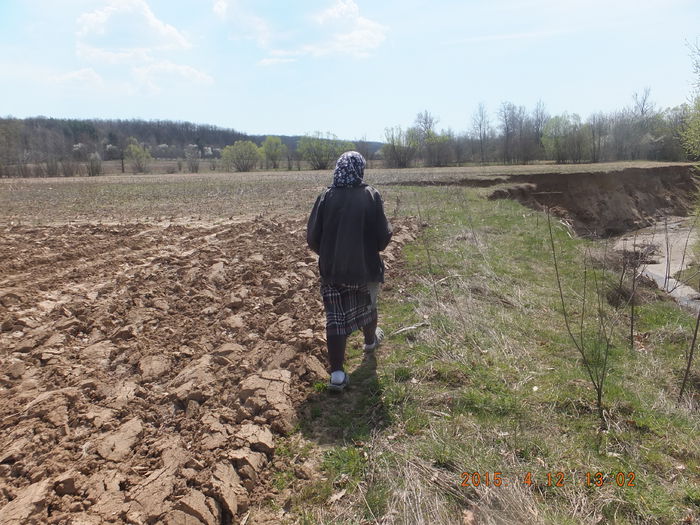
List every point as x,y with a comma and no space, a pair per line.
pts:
285,53
220,8
271,61
109,56
508,36
362,37
96,22
258,28
149,75
78,82
123,31
347,9
85,78
248,25
128,33
244,23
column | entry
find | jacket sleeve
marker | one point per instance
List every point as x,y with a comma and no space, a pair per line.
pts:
314,227
384,229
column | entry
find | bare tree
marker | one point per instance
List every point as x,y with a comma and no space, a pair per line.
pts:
440,148
525,143
425,124
364,148
506,116
481,127
192,154
642,103
459,147
539,119
597,126
424,127
576,142
400,147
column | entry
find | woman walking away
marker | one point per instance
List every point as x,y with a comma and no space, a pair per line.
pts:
347,229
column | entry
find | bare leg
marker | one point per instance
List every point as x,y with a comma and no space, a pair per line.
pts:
336,351
369,329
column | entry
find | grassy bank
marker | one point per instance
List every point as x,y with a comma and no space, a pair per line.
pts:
488,381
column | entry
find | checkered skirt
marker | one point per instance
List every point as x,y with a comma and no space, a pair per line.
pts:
348,307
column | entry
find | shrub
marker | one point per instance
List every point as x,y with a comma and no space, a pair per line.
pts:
242,156
322,151
138,156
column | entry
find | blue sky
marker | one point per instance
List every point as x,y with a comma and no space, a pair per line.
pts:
349,67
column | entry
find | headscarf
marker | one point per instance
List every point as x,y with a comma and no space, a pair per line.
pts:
349,170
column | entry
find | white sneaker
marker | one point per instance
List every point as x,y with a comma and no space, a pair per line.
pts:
378,336
338,383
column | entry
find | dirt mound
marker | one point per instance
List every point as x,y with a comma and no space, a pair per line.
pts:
145,371
467,182
608,203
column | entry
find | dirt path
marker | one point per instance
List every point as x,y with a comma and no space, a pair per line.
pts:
668,245
146,370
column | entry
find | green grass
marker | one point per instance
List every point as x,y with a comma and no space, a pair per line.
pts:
347,462
494,383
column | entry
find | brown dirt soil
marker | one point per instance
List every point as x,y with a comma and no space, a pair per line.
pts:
146,370
608,203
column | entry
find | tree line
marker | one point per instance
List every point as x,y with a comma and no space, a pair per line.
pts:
48,147
516,135
513,134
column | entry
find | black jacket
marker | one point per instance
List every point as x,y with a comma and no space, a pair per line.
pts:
347,228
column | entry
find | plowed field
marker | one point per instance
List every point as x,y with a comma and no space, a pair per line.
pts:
146,369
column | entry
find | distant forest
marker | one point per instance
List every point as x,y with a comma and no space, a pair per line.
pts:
42,146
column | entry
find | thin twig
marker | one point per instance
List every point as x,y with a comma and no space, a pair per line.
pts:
427,251
667,272
561,292
690,357
687,238
596,372
408,328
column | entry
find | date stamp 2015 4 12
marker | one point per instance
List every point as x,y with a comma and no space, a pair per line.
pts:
549,479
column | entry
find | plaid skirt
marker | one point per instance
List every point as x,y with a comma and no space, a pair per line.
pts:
349,307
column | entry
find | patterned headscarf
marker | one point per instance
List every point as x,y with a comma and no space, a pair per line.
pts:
349,170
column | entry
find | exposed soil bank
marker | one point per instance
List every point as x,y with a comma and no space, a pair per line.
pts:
470,182
608,203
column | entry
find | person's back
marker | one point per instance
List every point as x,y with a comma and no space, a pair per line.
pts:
348,228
